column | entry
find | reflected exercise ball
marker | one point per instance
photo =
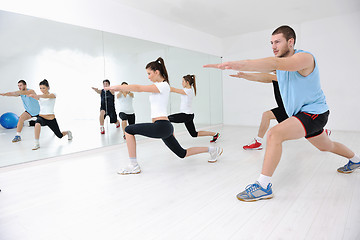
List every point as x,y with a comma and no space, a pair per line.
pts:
9,120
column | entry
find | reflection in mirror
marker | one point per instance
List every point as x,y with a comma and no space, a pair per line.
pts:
126,109
107,106
76,60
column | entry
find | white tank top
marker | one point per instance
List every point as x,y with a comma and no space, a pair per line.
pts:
186,101
159,101
47,105
126,105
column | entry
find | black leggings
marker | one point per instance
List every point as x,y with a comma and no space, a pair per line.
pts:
129,117
159,129
188,119
52,124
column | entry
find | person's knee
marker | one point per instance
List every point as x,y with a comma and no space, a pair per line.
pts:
274,136
171,118
181,154
268,115
194,134
129,130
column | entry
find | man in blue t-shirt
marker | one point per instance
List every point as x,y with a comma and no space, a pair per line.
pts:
299,83
31,106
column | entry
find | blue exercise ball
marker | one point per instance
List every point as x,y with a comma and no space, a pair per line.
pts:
9,120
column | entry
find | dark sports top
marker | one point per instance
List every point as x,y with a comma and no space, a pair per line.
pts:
110,98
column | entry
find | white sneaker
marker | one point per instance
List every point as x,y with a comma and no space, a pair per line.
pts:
36,146
69,135
215,153
130,169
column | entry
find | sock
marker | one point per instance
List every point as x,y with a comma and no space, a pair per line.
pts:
211,149
133,161
18,134
259,139
264,181
36,141
355,159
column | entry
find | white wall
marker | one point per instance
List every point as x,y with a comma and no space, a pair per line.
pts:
334,42
110,16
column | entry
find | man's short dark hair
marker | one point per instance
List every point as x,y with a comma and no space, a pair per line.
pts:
22,81
287,31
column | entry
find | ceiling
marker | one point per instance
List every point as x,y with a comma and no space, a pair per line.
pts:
226,18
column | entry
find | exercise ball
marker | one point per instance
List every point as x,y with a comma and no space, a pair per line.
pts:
9,120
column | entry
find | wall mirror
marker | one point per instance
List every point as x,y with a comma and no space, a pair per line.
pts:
73,59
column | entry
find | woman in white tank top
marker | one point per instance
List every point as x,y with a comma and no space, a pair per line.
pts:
126,108
47,115
160,126
186,114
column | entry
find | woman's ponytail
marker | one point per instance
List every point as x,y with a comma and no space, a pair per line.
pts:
159,64
191,80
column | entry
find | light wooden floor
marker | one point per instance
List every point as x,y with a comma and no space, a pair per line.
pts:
80,196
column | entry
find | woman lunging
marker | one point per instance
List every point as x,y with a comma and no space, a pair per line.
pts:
47,116
160,127
186,114
127,114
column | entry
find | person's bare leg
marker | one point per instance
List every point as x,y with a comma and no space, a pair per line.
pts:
23,117
289,129
265,123
131,145
123,126
196,150
324,143
37,131
101,118
133,167
205,133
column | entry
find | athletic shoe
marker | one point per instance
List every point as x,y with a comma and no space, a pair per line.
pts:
70,135
328,132
102,130
17,138
117,124
255,145
215,137
254,192
130,169
349,167
36,146
215,153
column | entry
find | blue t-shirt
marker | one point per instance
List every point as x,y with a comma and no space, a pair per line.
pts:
302,94
31,105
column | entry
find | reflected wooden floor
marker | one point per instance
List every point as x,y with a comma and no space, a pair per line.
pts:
80,196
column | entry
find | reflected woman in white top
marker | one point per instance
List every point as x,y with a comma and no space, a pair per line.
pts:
160,126
47,116
186,114
126,108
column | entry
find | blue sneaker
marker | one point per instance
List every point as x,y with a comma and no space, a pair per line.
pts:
254,192
349,167
16,139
